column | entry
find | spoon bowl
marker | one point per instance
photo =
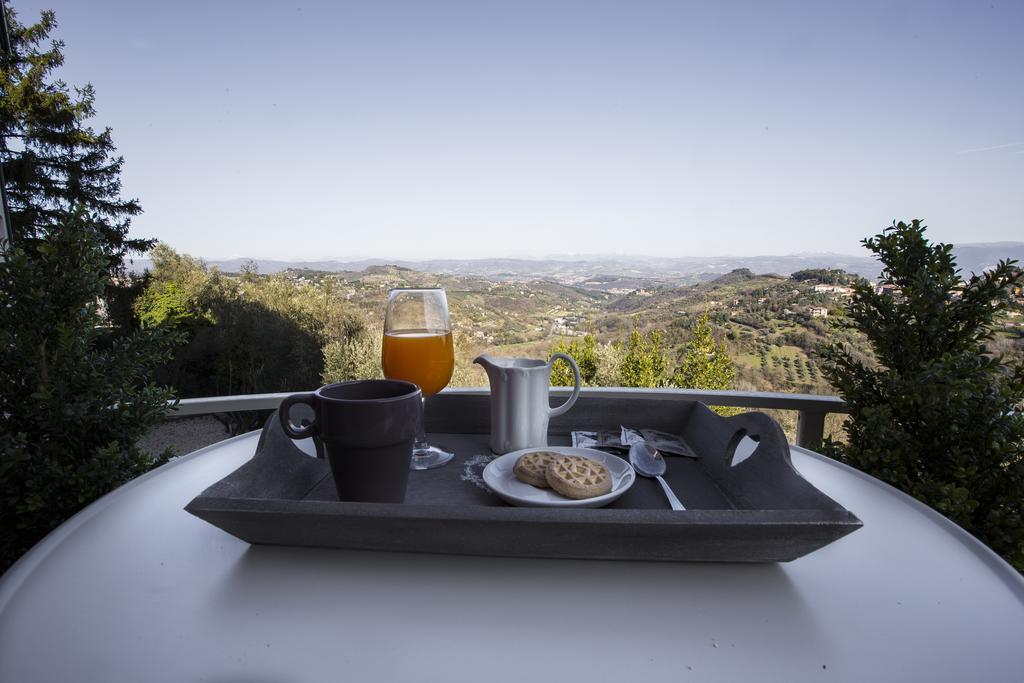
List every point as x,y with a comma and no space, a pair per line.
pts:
647,462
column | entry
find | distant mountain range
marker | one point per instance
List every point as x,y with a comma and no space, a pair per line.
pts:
592,269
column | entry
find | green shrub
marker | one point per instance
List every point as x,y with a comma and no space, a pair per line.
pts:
71,409
356,356
584,352
643,362
705,363
933,414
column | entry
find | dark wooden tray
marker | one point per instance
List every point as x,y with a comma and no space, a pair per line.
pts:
756,510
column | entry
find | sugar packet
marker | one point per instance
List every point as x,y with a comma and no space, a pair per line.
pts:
671,444
606,440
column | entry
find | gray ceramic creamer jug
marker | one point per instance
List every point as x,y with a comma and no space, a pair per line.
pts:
519,400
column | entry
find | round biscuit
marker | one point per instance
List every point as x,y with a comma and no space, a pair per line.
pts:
577,477
530,468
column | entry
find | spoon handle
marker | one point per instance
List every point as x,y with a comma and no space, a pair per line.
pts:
672,500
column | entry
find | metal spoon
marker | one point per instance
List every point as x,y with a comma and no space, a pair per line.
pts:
648,463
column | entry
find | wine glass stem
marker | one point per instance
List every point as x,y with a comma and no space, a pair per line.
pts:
421,438
425,456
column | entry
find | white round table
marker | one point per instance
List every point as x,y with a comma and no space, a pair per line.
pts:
136,589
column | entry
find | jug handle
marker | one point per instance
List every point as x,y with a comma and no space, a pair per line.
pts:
576,380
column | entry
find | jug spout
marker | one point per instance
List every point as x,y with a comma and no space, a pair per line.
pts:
488,364
485,360
494,365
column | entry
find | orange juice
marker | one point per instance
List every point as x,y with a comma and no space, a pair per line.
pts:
424,357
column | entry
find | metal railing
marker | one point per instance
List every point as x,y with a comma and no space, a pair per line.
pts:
811,409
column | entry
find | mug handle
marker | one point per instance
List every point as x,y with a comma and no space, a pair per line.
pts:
564,408
286,405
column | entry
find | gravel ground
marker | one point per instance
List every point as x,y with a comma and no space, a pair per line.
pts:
184,435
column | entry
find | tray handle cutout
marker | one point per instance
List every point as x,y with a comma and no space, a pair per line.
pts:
742,447
756,436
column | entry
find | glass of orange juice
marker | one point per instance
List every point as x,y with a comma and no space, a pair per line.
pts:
418,348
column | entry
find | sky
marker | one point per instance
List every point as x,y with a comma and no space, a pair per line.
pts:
378,129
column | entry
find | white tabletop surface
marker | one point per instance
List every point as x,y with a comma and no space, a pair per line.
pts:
136,589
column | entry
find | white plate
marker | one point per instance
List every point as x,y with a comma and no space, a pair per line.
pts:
499,478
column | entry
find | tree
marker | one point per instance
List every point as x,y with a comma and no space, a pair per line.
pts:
609,361
52,159
252,334
179,291
705,363
643,362
71,410
933,414
827,276
355,356
584,352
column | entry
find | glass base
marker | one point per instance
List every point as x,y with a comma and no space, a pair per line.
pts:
426,457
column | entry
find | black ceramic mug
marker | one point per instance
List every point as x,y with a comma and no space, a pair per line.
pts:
367,428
